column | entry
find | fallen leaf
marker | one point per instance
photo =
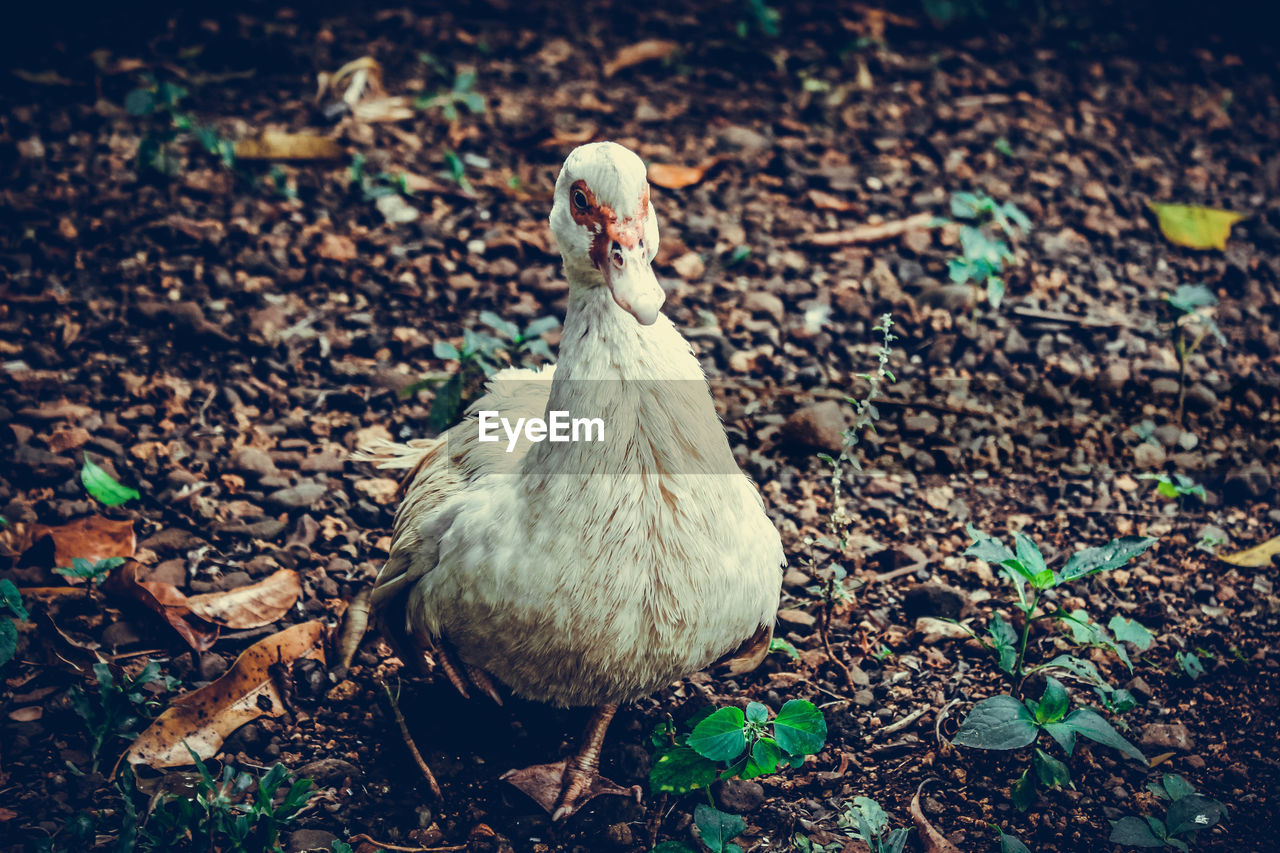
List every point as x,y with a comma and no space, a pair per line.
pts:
635,54
1195,227
203,718
94,538
827,201
27,714
103,486
67,438
354,625
674,177
1258,555
336,247
250,606
289,146
161,598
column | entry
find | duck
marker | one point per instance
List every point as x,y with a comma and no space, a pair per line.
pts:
589,572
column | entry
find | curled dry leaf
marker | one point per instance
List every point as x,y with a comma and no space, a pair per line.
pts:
1258,555
289,146
94,538
250,606
354,626
674,177
635,54
161,598
203,718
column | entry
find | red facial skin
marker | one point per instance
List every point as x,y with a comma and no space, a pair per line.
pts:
605,224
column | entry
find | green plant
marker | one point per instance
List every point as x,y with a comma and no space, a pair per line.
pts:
530,340
232,813
725,743
118,708
728,743
95,572
103,486
1190,664
157,104
1025,569
461,94
761,18
11,601
1187,814
1192,305
984,254
1175,487
375,185
869,823
1009,844
1004,723
458,171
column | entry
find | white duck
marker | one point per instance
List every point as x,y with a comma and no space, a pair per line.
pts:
584,573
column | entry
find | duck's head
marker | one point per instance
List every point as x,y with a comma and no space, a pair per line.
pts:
606,228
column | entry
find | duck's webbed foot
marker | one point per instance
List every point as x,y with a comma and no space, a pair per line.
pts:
563,787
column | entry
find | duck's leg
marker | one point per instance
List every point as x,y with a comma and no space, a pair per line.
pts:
565,786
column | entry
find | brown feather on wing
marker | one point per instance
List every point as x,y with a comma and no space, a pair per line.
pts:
750,654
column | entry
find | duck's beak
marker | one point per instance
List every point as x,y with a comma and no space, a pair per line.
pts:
630,278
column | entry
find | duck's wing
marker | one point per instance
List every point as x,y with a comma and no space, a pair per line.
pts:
438,469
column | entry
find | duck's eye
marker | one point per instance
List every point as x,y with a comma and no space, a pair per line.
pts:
580,200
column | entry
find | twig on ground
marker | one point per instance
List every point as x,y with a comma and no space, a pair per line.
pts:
385,846
417,756
870,233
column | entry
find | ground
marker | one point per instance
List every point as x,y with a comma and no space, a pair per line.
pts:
220,338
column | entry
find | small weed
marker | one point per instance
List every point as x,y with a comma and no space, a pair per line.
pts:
1004,723
761,18
1176,487
457,171
984,254
1190,663
158,105
461,94
1025,569
862,820
726,743
1192,306
233,813
1187,814
12,611
374,185
777,644
95,573
1009,844
1146,431
119,708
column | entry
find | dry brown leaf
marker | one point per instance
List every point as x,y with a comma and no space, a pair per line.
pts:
827,201
161,598
250,606
673,177
203,718
289,146
1258,555
354,625
94,538
635,54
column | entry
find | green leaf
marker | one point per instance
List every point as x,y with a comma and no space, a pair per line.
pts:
1133,832
1023,792
1080,668
1052,772
765,756
12,599
1190,297
1005,641
541,326
1176,787
505,327
1190,663
966,205
1114,554
995,290
103,487
986,547
1000,722
1192,813
681,770
445,406
139,102
1009,844
672,847
875,818
800,728
716,828
1195,227
1053,704
720,737
1089,724
777,644
757,713
8,640
1131,631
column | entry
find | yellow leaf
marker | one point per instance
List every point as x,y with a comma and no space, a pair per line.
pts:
1258,555
289,146
675,177
1195,227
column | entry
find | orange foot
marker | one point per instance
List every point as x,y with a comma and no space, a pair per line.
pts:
561,789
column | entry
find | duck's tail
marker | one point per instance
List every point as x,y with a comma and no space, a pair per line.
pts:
393,455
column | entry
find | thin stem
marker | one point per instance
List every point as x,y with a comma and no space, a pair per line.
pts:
1026,632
